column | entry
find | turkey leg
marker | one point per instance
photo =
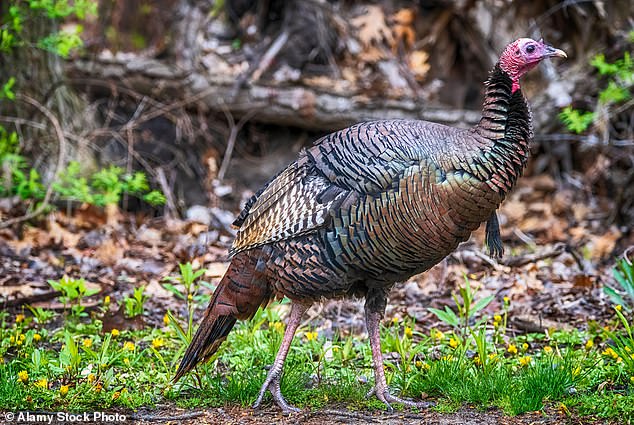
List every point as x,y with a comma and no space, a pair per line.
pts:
374,310
272,382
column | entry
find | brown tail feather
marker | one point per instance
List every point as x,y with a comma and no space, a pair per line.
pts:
238,295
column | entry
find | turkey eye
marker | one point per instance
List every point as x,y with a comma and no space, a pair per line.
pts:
530,48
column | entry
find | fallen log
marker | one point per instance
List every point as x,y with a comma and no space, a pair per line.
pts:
294,105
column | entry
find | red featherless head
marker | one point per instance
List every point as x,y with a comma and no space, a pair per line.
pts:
524,54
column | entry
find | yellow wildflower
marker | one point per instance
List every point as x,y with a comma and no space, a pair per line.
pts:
11,339
166,319
548,349
627,348
98,387
497,318
408,332
589,344
453,342
128,346
63,390
311,336
116,395
507,300
436,334
87,342
419,364
37,337
493,356
426,366
157,342
618,308
512,349
394,320
19,318
18,342
23,376
524,347
577,371
42,383
106,300
91,377
610,352
632,379
525,361
190,298
126,361
477,360
278,326
114,332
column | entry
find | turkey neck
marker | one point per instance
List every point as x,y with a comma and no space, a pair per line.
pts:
506,125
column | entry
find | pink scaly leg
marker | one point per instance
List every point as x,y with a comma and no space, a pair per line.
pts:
272,382
381,390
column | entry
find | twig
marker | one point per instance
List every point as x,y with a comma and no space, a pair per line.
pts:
59,132
521,260
169,199
270,54
233,135
156,418
577,258
626,253
344,414
523,237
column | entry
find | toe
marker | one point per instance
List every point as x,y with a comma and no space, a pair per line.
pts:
288,409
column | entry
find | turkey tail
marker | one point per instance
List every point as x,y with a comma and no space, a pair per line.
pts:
238,295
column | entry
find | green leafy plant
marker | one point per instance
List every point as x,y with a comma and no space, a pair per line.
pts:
467,308
575,119
7,89
134,306
73,291
191,283
623,343
72,186
15,176
620,75
622,295
105,187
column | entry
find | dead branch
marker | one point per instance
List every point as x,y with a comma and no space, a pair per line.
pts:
270,54
296,105
521,260
233,135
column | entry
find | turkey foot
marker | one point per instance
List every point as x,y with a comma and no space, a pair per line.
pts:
381,390
383,394
272,382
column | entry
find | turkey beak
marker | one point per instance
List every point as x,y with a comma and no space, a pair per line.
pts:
550,51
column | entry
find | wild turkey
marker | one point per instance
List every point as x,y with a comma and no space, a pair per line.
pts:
368,206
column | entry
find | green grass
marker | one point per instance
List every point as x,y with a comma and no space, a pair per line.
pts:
74,365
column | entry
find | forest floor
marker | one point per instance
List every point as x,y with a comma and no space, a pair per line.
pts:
560,254
333,415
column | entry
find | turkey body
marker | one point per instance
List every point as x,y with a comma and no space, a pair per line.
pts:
399,213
